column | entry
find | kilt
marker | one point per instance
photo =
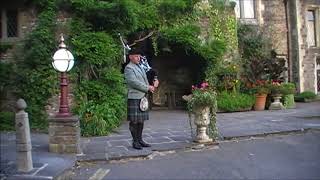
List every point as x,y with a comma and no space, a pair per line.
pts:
134,113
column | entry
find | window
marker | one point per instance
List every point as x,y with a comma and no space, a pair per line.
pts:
245,9
9,23
311,28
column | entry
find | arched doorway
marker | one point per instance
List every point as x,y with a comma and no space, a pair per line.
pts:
177,72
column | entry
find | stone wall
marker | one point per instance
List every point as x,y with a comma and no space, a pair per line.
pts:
272,18
308,54
27,17
274,24
26,22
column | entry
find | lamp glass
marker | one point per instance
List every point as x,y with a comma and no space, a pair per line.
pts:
63,60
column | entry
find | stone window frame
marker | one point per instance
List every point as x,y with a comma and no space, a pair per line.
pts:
252,21
4,35
316,10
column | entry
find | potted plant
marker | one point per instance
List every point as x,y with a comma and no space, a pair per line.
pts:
261,90
203,104
276,89
289,90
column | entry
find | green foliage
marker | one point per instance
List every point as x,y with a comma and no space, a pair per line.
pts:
202,98
101,14
288,88
234,101
96,48
228,77
35,70
171,9
305,96
288,101
97,83
260,62
185,35
5,78
275,67
221,41
4,47
100,92
7,121
254,48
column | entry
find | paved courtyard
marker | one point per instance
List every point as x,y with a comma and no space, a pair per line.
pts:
169,130
166,131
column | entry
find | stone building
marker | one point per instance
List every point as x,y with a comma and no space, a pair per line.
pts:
16,21
294,26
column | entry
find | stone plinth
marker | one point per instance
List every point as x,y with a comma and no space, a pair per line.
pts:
64,135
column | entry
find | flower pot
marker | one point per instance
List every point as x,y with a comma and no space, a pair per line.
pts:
260,102
202,120
276,105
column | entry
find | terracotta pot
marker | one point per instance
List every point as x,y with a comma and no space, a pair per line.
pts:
260,102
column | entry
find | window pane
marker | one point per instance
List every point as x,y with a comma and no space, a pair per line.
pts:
311,36
310,15
12,23
248,9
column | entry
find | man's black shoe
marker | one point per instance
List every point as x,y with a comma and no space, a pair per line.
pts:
144,144
136,145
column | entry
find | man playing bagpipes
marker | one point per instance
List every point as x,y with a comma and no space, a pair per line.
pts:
138,85
152,74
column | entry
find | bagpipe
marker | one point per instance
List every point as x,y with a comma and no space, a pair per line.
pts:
151,73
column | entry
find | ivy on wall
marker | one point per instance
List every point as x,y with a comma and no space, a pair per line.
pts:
35,77
98,85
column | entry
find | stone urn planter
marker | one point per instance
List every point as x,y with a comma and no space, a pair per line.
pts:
277,104
202,120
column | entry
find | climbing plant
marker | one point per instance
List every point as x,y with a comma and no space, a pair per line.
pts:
206,30
35,78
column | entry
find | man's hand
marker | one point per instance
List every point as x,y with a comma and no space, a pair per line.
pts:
151,89
156,83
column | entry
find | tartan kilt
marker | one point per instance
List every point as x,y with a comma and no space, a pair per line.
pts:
134,113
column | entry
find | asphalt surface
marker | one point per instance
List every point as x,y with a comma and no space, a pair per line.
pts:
291,156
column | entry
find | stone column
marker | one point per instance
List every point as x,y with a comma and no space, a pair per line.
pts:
23,140
64,135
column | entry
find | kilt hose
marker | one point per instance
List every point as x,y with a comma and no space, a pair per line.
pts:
135,115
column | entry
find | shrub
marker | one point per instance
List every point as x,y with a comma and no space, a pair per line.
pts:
288,88
100,92
305,96
7,121
230,102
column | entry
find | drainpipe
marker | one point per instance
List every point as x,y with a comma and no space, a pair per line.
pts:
288,41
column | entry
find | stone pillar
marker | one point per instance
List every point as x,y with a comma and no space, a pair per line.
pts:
23,140
64,135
